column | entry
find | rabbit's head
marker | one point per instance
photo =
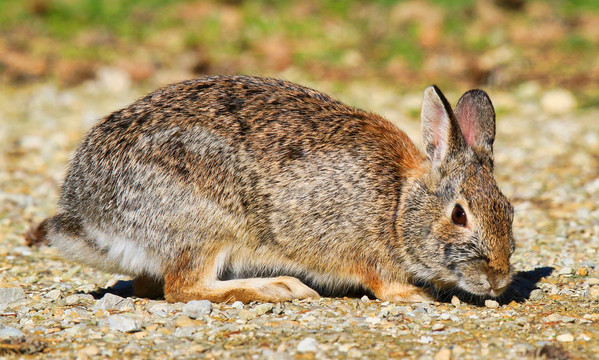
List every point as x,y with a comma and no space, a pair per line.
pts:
456,223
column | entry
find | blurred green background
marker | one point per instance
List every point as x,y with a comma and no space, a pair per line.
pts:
456,44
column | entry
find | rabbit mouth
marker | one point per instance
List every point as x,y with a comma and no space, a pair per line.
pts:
484,287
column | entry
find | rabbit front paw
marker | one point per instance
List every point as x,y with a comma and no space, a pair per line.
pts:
402,292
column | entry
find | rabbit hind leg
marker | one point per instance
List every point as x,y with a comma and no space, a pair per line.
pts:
391,290
187,282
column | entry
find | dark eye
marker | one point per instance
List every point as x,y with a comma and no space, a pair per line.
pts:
458,216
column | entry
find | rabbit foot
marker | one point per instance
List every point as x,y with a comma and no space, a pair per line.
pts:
145,286
403,292
278,289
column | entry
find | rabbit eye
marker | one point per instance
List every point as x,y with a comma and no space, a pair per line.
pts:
458,216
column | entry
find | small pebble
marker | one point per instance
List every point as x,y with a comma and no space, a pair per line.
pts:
365,299
10,332
593,292
492,304
278,309
437,327
393,310
184,321
110,302
565,338
521,320
54,294
159,309
307,345
457,351
262,309
22,251
245,314
443,354
593,281
455,301
566,270
185,332
90,350
587,263
71,300
196,308
237,305
582,271
425,340
536,295
11,294
373,320
123,324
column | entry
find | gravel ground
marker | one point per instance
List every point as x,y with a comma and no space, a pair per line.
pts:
546,160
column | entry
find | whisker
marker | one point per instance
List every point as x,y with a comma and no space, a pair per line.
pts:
523,257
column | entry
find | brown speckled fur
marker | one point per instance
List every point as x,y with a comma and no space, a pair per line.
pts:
229,187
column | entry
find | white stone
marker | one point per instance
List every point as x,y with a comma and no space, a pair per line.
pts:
54,294
307,345
565,338
566,270
72,299
114,302
246,315
123,324
237,305
492,304
373,320
89,350
10,332
457,351
425,340
437,327
11,294
196,308
593,281
262,309
455,301
536,295
159,309
443,354
22,250
593,292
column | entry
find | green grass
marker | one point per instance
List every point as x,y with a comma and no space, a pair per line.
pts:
317,32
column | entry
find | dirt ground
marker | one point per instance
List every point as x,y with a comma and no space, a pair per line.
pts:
547,161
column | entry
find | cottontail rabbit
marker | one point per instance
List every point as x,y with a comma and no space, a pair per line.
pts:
232,187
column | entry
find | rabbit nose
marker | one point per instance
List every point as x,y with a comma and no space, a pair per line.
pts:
498,282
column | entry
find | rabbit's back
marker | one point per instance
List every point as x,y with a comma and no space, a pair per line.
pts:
248,161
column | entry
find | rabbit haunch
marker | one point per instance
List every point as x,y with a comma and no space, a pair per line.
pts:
234,188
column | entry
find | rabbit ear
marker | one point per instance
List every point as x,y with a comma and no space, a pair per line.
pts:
476,118
440,130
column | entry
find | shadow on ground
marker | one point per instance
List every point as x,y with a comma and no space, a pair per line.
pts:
523,284
123,288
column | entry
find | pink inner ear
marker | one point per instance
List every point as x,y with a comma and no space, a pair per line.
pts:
467,121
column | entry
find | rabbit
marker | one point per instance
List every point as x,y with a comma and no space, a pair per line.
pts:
233,188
